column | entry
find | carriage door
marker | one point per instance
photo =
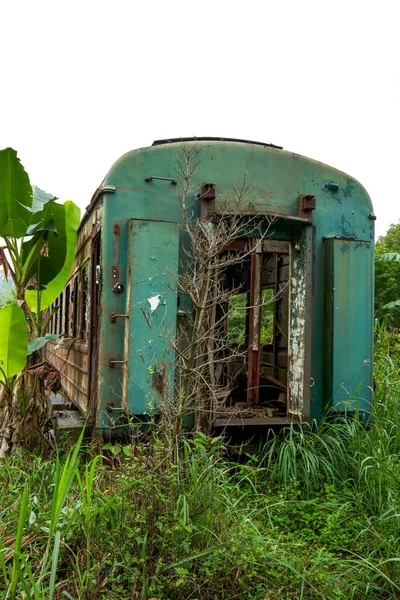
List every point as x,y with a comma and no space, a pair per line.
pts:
152,303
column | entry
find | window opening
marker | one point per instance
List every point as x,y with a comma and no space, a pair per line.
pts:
49,327
61,313
55,328
84,308
267,317
95,287
67,310
74,299
237,317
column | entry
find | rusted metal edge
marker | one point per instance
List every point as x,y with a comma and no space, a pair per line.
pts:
264,213
89,236
106,189
78,269
269,246
80,347
213,139
239,422
343,237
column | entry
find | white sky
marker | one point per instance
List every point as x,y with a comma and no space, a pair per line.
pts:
83,82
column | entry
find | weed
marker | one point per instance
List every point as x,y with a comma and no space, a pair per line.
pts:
315,514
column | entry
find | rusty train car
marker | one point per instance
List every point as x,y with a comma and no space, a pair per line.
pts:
122,303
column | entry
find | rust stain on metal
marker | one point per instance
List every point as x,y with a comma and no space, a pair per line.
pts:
160,382
207,191
307,203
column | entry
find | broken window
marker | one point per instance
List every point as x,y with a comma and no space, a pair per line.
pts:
74,300
61,313
55,317
49,328
67,310
237,317
84,307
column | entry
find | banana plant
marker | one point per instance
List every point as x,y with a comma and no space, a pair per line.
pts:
37,248
39,238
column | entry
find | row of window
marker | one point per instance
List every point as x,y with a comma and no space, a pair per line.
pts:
70,310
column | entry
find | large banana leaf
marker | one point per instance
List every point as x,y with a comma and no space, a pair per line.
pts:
15,195
61,249
50,229
14,341
38,343
40,199
41,224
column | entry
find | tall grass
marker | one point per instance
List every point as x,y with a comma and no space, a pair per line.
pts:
315,514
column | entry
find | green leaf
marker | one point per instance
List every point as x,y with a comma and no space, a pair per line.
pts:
395,304
40,198
50,229
39,227
15,195
37,343
389,256
54,562
18,541
54,275
14,341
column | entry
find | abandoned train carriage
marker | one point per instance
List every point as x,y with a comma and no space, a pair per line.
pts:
121,303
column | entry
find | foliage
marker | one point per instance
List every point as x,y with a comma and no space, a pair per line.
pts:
237,315
313,514
38,245
390,242
387,275
7,290
387,282
14,342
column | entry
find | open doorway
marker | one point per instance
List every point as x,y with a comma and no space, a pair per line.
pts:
256,325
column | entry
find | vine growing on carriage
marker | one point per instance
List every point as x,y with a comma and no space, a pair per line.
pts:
37,248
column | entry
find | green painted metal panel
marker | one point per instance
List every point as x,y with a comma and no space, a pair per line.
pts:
152,298
348,340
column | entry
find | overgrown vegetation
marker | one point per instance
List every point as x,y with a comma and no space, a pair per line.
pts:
387,275
37,249
313,514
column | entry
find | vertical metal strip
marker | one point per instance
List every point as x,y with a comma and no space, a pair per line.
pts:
128,307
276,320
253,371
300,325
